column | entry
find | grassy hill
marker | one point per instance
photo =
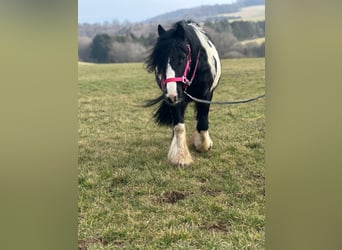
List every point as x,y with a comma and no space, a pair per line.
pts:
240,10
130,197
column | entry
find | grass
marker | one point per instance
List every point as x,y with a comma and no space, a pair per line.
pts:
131,198
259,41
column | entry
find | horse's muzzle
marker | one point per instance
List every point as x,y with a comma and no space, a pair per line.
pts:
172,100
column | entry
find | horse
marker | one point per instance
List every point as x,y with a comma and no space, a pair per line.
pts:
185,62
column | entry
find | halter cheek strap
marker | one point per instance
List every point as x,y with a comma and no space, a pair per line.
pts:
184,79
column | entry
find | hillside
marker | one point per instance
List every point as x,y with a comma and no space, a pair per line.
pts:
241,9
250,13
200,13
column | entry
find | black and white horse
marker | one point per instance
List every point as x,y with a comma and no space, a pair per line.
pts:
184,60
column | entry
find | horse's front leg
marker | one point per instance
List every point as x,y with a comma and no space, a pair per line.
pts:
179,152
201,139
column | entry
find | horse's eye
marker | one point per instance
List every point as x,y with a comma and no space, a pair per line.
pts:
181,59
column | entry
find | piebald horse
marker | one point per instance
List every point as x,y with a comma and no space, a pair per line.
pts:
184,60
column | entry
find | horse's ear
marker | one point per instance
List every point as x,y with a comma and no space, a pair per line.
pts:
180,31
161,30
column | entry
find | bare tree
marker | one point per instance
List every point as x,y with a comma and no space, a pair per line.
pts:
84,48
127,52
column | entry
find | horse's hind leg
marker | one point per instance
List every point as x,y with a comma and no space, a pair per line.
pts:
201,139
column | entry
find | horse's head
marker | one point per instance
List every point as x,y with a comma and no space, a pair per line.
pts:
170,60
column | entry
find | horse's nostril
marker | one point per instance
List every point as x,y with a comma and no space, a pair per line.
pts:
172,98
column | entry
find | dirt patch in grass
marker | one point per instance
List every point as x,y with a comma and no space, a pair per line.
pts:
220,227
173,196
253,145
211,192
83,243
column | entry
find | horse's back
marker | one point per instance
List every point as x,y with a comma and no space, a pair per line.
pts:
213,57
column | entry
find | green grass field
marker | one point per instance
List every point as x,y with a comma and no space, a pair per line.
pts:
131,198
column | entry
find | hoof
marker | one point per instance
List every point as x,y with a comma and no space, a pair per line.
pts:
202,142
181,162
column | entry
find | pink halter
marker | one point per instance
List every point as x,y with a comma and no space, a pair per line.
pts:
184,79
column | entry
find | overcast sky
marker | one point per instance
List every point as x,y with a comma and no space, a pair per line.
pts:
133,10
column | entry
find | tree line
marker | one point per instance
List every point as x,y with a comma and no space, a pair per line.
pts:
111,43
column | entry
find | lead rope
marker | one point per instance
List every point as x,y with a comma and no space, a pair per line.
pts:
223,102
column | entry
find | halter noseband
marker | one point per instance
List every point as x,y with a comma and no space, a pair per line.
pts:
184,79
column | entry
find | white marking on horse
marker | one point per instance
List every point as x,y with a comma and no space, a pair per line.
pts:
179,152
171,87
202,141
215,67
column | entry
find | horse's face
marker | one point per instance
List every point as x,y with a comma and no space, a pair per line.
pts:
176,61
174,69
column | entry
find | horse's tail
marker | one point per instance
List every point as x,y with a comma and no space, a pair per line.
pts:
162,114
152,102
